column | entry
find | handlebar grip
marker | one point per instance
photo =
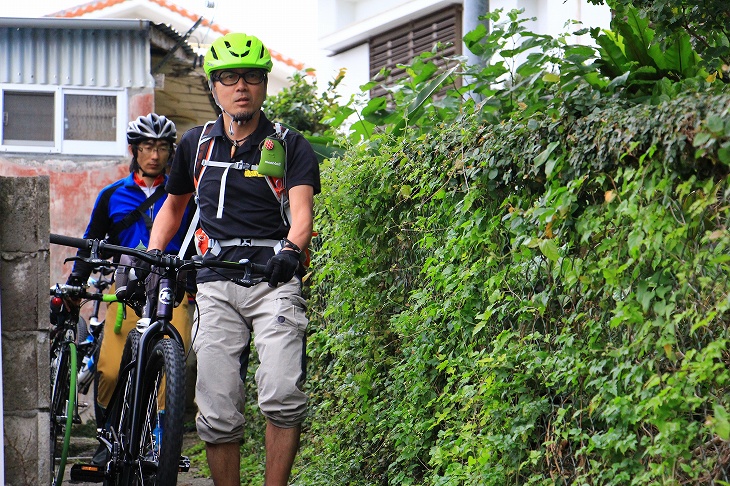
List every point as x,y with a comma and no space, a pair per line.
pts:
70,241
257,268
120,318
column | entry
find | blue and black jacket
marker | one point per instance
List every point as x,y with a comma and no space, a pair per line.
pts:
113,204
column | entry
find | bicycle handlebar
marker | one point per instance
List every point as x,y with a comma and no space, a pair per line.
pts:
163,260
81,293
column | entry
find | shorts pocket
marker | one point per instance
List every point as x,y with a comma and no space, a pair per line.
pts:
291,313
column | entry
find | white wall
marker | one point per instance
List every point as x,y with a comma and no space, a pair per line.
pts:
358,72
552,15
352,21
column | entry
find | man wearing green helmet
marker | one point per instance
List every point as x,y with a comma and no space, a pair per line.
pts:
245,218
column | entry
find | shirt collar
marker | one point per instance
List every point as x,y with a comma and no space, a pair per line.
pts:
141,183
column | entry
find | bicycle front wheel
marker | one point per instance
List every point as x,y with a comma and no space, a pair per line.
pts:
63,403
157,459
164,390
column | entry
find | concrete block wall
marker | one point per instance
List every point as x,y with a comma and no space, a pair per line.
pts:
24,326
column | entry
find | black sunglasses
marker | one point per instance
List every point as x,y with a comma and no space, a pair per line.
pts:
230,78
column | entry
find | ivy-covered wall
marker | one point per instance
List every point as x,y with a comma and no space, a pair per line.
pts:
537,301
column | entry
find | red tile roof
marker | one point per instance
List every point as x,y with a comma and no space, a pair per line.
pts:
94,6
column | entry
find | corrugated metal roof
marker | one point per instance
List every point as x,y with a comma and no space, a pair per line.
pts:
86,53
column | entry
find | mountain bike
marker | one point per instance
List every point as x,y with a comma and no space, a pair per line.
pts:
144,420
65,356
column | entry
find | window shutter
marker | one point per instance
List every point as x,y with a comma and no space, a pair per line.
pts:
402,44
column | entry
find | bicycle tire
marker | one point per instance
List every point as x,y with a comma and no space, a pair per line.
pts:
164,375
119,415
63,406
82,330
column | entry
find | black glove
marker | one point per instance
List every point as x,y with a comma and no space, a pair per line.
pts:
129,289
150,285
281,267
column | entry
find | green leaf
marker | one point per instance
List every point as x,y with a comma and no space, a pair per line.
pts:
376,108
614,61
720,422
724,155
637,37
679,56
549,249
543,156
701,139
715,124
472,39
427,92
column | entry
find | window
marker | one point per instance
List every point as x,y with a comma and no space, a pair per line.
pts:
24,110
90,117
62,120
402,44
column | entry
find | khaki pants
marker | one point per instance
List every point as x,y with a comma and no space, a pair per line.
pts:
229,315
112,346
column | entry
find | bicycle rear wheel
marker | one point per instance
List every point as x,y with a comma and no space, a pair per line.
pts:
63,403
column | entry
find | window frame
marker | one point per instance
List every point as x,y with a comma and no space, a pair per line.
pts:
117,147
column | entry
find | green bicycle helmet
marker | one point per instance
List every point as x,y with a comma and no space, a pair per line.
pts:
233,51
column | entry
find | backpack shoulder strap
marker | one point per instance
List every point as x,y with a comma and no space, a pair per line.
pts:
278,184
205,149
139,212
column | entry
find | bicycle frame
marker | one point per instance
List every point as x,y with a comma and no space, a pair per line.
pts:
64,342
157,330
70,403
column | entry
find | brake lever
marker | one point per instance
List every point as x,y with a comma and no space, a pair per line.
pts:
90,261
247,280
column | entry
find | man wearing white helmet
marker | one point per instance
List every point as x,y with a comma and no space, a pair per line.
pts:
123,214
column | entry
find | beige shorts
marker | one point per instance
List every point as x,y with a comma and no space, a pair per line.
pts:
228,315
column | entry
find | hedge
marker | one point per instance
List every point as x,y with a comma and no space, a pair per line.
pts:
540,301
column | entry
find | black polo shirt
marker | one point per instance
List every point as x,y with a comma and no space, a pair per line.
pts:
250,208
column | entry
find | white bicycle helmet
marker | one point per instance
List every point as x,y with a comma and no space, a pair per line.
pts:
152,126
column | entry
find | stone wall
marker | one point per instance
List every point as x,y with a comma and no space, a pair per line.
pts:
24,284
75,184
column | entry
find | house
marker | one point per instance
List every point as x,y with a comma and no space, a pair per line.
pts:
367,35
70,83
201,30
68,88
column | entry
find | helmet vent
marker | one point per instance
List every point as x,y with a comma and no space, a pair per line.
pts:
244,53
236,50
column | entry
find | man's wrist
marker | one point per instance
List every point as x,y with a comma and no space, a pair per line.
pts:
287,244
